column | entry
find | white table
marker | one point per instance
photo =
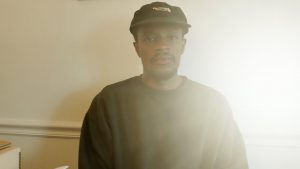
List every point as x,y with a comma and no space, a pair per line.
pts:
10,158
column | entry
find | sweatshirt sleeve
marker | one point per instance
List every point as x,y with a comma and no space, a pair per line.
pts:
231,152
95,147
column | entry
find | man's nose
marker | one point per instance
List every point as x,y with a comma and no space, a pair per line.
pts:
163,43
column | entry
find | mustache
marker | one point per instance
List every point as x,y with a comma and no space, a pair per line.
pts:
163,55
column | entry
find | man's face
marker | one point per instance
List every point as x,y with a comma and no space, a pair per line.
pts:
160,48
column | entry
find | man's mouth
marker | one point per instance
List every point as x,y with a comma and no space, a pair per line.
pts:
162,59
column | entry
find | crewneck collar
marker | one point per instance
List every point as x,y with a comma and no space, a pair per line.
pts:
151,89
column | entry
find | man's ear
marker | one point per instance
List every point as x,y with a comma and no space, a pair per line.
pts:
183,45
135,44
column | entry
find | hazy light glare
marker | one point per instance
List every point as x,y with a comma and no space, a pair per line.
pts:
253,57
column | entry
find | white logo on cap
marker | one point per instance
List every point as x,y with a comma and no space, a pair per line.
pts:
164,9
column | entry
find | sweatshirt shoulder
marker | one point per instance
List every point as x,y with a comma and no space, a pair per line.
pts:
127,83
199,87
119,87
202,91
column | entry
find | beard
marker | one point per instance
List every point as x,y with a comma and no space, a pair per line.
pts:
163,66
163,72
163,75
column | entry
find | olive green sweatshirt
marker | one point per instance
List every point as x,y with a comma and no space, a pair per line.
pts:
132,126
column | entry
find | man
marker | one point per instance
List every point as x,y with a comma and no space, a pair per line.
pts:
160,120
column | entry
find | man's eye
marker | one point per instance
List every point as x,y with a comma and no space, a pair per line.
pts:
173,37
150,38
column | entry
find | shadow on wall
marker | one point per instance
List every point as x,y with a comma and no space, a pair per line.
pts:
110,57
110,51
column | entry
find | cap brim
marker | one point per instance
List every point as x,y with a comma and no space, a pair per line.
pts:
160,20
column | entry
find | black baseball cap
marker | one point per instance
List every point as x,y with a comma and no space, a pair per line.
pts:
159,12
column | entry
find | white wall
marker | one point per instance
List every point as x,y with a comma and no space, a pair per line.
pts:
57,54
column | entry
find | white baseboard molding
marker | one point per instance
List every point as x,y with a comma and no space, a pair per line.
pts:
287,140
40,128
71,130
